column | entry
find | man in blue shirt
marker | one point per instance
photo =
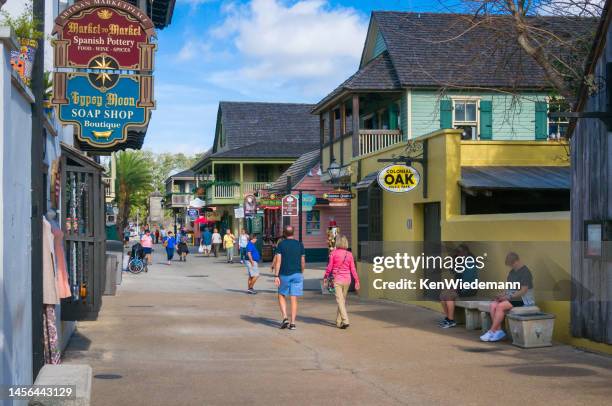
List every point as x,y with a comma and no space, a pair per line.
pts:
289,278
206,241
252,259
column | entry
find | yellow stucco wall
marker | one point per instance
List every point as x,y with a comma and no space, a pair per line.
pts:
549,259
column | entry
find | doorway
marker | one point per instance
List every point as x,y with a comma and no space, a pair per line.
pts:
432,243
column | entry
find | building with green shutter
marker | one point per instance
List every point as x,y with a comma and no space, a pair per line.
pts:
439,88
420,72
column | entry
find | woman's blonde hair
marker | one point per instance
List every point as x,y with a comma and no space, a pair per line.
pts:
342,242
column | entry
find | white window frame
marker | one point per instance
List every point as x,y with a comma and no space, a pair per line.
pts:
467,99
549,120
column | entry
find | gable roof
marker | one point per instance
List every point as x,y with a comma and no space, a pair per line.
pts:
464,50
188,173
297,171
268,149
378,75
435,50
247,123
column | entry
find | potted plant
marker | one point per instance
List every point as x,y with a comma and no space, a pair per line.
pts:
25,27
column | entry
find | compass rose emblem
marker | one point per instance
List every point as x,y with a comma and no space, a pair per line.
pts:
102,75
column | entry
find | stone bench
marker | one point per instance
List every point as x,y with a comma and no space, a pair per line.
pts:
471,314
65,375
485,316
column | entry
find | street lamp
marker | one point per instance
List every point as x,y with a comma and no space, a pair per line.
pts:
333,170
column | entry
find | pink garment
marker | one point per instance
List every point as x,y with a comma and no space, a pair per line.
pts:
63,286
146,241
342,265
50,291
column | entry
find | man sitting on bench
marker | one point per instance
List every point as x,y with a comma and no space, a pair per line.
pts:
511,298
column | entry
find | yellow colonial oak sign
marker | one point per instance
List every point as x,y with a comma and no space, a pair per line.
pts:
398,178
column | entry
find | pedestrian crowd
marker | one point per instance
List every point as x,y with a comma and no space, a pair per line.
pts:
289,262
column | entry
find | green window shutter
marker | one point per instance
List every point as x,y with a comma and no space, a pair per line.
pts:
446,114
541,120
486,120
393,116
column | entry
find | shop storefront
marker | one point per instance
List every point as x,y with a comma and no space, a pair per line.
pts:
323,216
470,192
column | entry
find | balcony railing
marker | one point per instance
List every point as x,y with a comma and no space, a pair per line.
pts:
374,140
181,199
223,191
252,187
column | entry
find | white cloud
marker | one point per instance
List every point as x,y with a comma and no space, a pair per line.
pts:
304,43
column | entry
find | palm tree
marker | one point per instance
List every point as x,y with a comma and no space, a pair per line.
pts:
134,179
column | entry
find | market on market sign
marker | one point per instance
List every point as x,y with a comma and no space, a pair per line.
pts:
97,42
398,178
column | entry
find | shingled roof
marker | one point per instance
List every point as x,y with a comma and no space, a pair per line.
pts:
456,50
262,125
268,149
298,170
379,74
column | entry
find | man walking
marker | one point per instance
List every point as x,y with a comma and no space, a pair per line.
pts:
289,278
216,242
252,259
207,241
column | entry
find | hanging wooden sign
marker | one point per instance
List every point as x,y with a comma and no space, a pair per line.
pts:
103,107
113,28
290,205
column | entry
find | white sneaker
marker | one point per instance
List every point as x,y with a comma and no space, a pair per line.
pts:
498,335
486,336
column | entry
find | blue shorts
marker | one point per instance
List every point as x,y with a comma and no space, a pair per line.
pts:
147,250
291,285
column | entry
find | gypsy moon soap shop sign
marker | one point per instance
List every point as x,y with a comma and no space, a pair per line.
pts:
102,117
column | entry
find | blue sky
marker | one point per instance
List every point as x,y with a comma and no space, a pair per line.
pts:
255,50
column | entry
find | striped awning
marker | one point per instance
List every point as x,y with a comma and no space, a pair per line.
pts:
515,177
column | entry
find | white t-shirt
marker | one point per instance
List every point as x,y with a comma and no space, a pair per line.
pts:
243,240
216,238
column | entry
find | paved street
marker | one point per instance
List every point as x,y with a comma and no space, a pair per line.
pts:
187,334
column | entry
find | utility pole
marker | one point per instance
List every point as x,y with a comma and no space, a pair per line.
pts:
38,201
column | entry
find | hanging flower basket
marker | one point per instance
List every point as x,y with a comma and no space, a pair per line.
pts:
22,60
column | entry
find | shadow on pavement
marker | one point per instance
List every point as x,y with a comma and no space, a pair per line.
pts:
315,320
552,370
260,320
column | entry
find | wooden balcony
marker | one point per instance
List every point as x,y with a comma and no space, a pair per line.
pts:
232,192
374,140
178,200
252,187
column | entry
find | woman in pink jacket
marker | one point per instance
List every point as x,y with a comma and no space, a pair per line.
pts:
341,266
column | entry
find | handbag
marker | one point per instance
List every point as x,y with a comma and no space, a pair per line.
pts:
201,249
